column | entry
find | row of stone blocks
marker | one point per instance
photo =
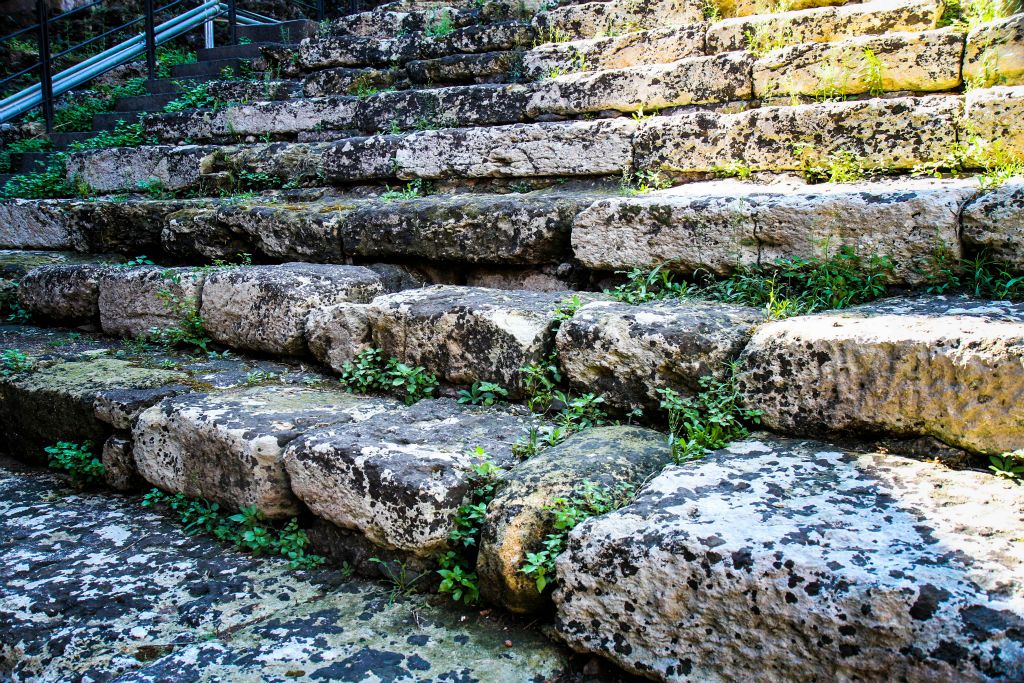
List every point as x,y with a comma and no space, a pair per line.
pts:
949,368
709,226
913,61
825,562
887,135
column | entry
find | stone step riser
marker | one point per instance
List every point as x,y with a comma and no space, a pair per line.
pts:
857,371
709,227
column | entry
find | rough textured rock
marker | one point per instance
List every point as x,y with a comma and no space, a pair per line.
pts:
694,80
56,402
466,334
228,447
518,520
995,222
829,565
744,8
994,115
921,62
888,134
119,471
948,367
31,224
654,46
400,477
479,68
135,301
995,53
539,149
717,226
626,353
826,24
122,169
593,19
336,334
264,308
67,294
346,81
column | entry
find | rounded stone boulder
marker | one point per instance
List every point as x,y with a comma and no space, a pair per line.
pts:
518,518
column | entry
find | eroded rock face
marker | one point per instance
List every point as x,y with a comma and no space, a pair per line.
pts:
466,334
590,19
626,353
721,225
994,114
948,367
517,518
135,301
830,565
399,477
67,294
32,224
897,133
995,222
228,447
122,169
264,308
119,466
921,62
337,334
995,52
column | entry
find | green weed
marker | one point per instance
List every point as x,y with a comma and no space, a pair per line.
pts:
483,394
14,362
370,373
77,460
1008,465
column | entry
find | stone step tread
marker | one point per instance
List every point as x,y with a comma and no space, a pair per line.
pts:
802,532
177,604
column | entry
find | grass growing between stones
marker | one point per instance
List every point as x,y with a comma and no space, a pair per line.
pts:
247,529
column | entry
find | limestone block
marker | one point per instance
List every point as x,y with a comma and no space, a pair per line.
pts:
995,53
264,308
33,224
122,169
67,294
994,116
947,367
228,447
593,19
626,353
518,518
995,222
119,465
337,334
134,302
831,565
400,477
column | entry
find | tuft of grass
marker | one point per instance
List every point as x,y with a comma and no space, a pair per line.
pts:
440,25
643,181
14,362
768,36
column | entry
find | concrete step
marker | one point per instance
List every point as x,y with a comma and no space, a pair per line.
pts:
61,141
214,68
283,32
27,162
110,120
145,103
241,51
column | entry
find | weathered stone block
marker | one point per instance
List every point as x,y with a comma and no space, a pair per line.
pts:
947,367
345,81
400,477
922,62
995,53
889,134
518,518
537,149
228,447
593,19
826,563
122,169
653,46
626,353
466,334
826,24
995,222
67,294
33,224
336,334
694,80
718,226
994,116
135,301
481,68
264,308
119,466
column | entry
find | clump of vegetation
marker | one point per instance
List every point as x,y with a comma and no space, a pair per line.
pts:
768,36
643,181
980,276
789,286
412,190
169,56
23,146
191,328
734,169
123,135
76,111
370,373
708,421
247,529
483,394
48,183
14,362
195,96
440,25
77,461
589,500
457,567
1009,466
968,14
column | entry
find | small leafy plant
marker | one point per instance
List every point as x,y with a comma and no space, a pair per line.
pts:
247,529
77,460
370,373
14,362
483,394
1009,466
191,328
653,285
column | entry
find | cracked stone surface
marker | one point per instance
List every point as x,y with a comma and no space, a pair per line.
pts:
777,559
97,588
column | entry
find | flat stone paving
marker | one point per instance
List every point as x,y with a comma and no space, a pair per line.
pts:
97,588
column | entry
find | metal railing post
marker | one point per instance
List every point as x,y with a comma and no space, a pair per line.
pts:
45,67
150,40
232,23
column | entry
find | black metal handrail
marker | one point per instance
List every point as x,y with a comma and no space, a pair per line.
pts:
52,20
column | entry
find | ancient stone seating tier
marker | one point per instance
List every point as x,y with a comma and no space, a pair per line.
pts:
457,189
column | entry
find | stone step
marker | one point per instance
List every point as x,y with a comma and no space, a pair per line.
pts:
878,135
146,103
384,23
28,162
110,120
714,226
147,601
214,67
282,32
243,51
613,17
824,560
945,367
